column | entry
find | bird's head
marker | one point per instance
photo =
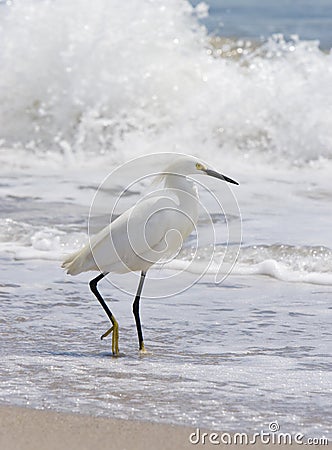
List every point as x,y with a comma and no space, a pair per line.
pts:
192,166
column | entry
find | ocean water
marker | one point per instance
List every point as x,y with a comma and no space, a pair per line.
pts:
111,85
258,20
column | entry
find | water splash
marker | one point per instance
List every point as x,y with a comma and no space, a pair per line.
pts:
109,82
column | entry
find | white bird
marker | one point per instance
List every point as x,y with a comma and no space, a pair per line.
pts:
150,231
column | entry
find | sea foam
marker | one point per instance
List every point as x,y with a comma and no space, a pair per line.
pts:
125,81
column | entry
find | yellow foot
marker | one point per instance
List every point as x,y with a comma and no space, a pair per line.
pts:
143,351
115,336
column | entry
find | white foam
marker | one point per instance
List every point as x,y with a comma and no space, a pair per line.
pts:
121,81
286,263
281,272
268,267
26,241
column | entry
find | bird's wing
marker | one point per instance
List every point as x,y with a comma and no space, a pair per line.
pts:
137,235
142,235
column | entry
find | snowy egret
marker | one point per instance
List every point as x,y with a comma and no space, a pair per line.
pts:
148,232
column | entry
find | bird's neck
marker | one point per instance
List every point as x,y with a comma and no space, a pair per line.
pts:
185,190
181,183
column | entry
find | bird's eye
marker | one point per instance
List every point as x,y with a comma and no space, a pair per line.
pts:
199,166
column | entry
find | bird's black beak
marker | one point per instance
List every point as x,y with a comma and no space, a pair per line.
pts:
214,174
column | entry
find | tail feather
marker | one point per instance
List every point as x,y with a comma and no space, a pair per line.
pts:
83,260
74,262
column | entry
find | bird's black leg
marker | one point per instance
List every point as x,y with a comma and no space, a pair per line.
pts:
136,312
115,327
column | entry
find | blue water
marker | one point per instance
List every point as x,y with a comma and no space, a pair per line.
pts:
257,19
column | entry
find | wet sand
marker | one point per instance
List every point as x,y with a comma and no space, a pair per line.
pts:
28,429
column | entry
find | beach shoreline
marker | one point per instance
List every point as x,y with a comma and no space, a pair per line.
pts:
33,429
26,428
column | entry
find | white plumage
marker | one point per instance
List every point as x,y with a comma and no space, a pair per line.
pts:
150,231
